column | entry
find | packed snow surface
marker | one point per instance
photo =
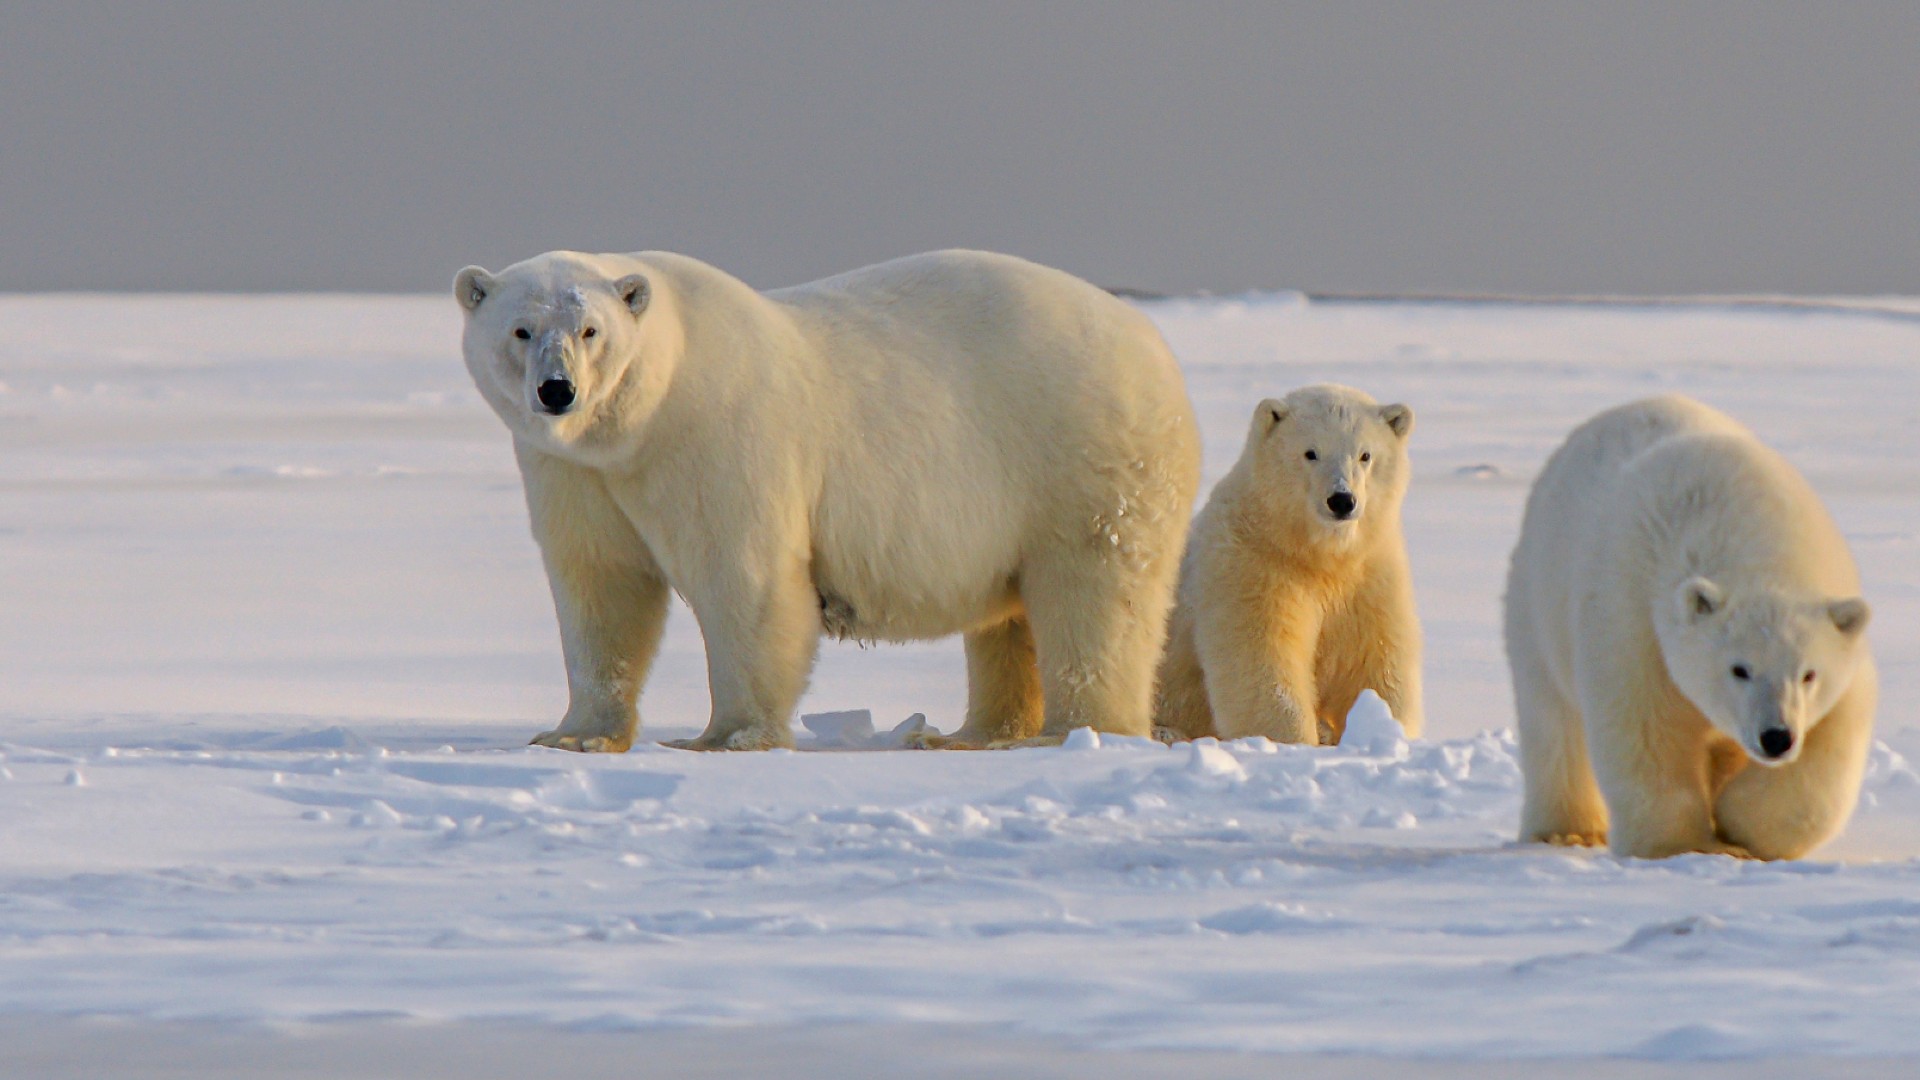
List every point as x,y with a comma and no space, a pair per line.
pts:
272,636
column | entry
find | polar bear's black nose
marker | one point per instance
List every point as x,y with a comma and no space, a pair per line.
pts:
1776,741
556,395
1341,504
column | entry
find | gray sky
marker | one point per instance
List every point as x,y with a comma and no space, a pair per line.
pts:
1525,146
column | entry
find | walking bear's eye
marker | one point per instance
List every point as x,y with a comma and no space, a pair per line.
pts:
588,332
1311,456
522,334
1364,458
1807,678
1740,672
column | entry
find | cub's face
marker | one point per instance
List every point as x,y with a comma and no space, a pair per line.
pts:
551,344
1762,667
1333,457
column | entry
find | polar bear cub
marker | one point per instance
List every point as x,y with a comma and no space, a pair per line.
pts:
1295,594
955,442
1685,631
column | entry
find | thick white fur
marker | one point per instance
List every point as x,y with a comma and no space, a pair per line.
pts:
1285,614
955,442
1662,546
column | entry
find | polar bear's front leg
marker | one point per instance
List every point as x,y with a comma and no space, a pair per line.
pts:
608,594
1385,643
1256,650
610,627
1786,811
1180,708
1651,766
1562,802
761,631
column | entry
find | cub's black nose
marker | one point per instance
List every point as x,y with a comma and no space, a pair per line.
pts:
1341,504
1776,741
556,395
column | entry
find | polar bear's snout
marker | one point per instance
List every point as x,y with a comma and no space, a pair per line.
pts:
1775,742
1779,711
556,395
1342,505
553,385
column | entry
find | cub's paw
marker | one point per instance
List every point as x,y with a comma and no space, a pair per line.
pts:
1575,839
1721,847
583,744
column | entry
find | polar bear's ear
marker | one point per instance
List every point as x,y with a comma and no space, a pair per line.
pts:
1850,616
634,291
1700,598
470,286
1399,418
1269,414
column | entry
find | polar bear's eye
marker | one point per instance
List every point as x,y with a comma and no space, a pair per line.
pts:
1740,672
1364,458
1311,456
588,332
1807,678
523,334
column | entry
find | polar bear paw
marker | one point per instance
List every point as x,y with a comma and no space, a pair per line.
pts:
743,739
929,739
1575,839
583,744
933,740
1023,744
1168,735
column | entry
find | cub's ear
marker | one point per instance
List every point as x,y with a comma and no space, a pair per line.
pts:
634,291
1269,414
1399,418
1850,616
1700,598
470,286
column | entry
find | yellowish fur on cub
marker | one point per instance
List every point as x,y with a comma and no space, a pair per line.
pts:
1295,593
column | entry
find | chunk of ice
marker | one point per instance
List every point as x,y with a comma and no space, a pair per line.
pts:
847,727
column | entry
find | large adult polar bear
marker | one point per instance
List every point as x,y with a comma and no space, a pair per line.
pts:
955,442
1686,637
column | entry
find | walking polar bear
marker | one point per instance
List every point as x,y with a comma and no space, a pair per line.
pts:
1685,631
1295,594
954,442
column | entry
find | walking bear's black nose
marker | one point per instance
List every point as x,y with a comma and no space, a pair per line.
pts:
1341,504
556,395
1776,741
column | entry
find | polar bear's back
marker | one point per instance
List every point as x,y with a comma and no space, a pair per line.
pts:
1662,489
1679,468
1579,492
1577,515
997,406
1001,310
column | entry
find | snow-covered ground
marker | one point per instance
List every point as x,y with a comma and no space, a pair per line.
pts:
272,634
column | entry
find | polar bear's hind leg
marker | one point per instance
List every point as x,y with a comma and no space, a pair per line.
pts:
1004,702
1098,625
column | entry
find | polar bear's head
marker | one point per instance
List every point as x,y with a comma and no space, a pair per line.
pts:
559,345
1332,456
1761,665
